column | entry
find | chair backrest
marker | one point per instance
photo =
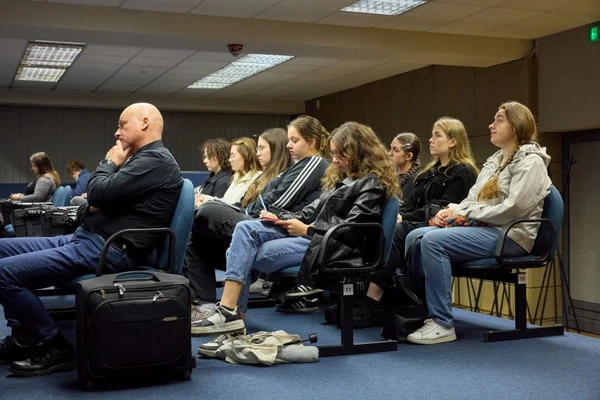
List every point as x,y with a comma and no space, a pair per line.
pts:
389,216
61,196
553,210
181,224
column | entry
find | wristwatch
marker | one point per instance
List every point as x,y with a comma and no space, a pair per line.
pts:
107,161
310,231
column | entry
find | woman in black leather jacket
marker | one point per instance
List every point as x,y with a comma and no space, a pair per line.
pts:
356,185
446,179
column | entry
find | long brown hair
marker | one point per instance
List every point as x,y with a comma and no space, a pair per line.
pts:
366,154
280,161
523,124
461,152
311,130
44,166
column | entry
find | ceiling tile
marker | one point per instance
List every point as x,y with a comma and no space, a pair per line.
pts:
293,14
590,7
354,19
234,8
141,73
107,3
101,50
557,21
404,22
209,65
106,60
13,44
538,5
173,6
311,62
501,16
328,4
488,3
165,53
153,62
211,56
448,12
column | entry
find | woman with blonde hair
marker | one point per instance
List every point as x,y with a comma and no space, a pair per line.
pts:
245,167
445,179
46,180
355,187
512,184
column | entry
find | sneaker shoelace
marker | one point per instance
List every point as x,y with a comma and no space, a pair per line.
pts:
429,325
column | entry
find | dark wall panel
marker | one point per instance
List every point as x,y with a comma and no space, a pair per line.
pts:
382,105
67,134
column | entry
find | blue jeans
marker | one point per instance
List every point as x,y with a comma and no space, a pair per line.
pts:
433,254
262,246
31,263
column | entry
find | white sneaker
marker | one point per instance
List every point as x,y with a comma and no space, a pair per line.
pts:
199,311
218,320
432,333
209,349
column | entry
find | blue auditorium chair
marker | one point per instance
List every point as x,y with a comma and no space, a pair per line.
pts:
511,270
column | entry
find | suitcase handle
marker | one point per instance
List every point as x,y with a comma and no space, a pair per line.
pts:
150,276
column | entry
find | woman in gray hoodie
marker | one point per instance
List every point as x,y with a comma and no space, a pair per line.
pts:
512,184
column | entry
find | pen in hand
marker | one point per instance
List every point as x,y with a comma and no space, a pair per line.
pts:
262,202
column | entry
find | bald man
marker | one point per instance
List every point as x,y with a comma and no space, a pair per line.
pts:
137,185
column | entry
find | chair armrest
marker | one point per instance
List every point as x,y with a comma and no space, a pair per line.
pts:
119,234
512,262
371,230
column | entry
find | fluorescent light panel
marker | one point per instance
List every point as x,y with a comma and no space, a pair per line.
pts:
239,70
47,61
383,7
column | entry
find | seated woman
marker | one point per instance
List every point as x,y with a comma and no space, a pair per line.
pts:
76,170
404,151
446,179
356,185
512,184
46,180
216,158
292,189
244,164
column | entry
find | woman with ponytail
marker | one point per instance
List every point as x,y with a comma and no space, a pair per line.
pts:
512,184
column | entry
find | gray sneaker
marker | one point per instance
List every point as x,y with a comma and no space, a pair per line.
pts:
218,320
199,311
209,349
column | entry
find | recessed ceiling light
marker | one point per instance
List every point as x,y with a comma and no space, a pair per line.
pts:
383,7
238,70
47,61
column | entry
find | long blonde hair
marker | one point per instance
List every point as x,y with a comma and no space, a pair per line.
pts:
280,161
461,152
523,124
247,149
366,154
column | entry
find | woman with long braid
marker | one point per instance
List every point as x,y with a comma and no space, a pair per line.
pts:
512,184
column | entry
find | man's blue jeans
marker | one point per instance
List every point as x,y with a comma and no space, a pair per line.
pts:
433,254
32,263
262,246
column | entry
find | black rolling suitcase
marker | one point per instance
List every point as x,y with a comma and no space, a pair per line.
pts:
133,323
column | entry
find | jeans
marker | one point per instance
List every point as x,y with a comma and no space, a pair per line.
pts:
33,263
211,236
264,247
433,254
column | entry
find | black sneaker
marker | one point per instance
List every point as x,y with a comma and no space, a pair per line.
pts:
302,305
219,320
301,291
11,351
46,360
367,312
209,349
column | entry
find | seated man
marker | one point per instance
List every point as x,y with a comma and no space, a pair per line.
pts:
141,192
76,170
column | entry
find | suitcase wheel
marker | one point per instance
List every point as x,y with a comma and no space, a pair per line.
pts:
187,375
